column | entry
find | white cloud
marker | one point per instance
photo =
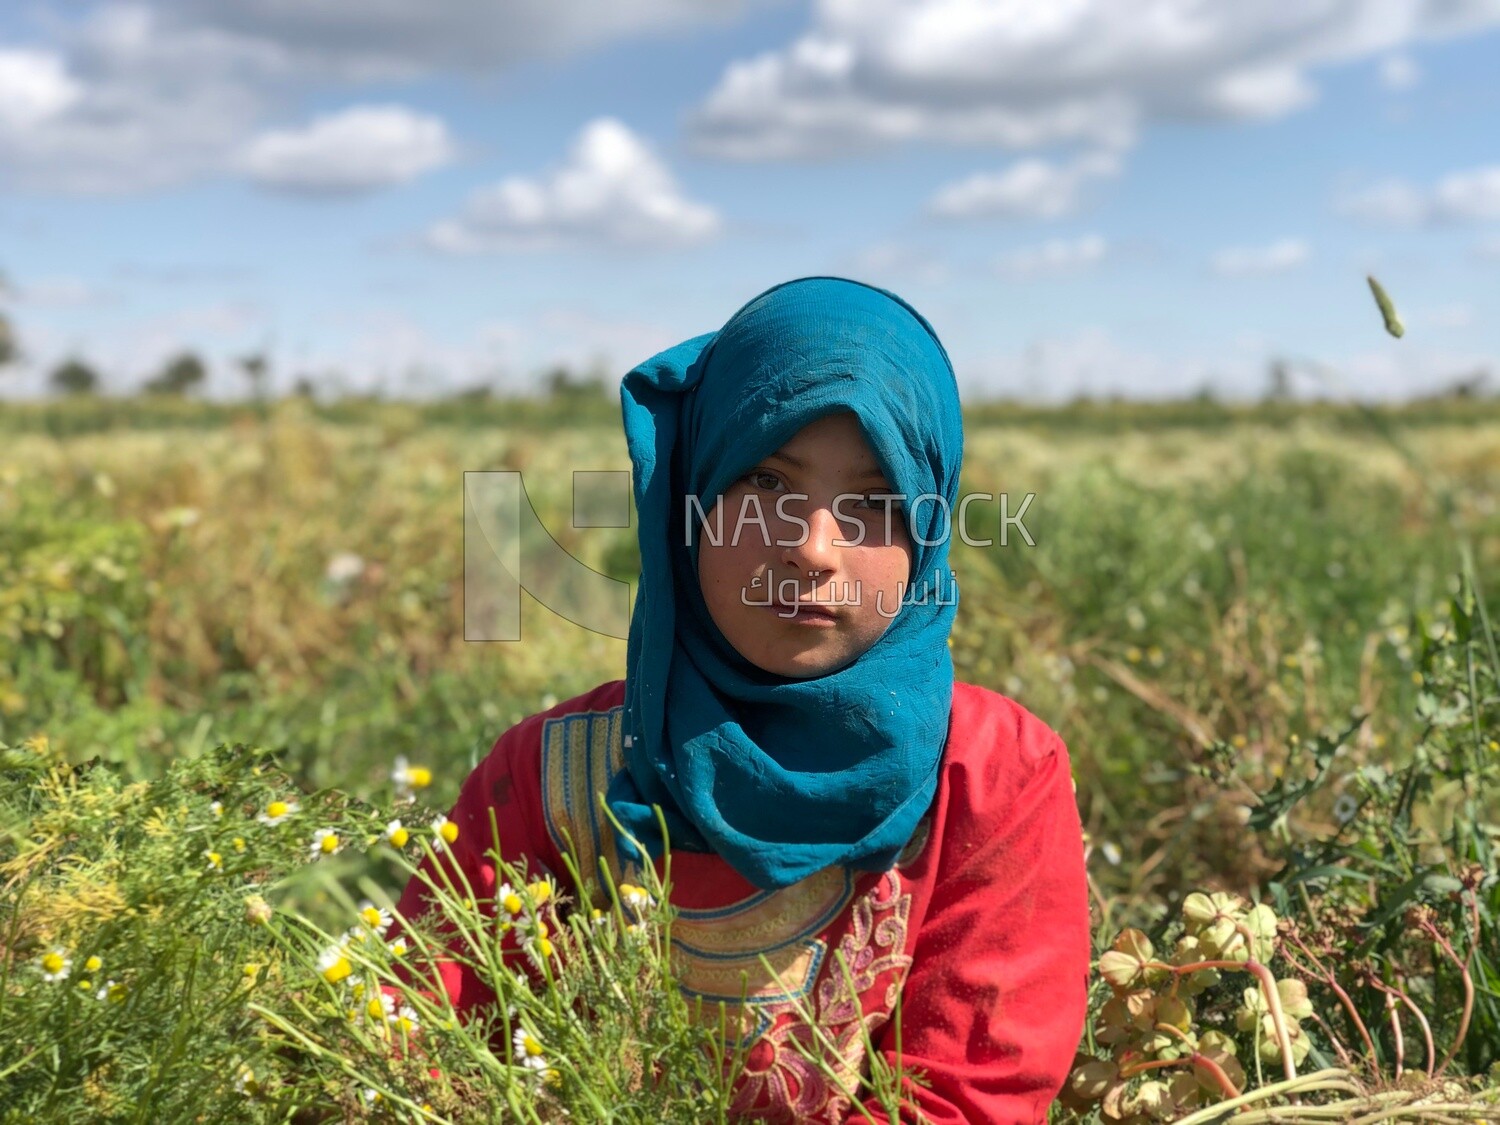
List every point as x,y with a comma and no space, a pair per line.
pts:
1267,91
400,38
147,105
1459,197
1089,362
355,150
1399,72
873,72
1390,202
1031,188
611,191
1054,258
34,86
1277,257
898,264
1468,196
61,292
1095,362
1446,316
390,351
134,95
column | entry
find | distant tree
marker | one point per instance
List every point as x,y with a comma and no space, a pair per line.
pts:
74,377
181,374
1469,386
9,350
303,388
1278,381
562,383
256,367
479,392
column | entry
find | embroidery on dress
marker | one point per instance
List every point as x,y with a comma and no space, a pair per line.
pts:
720,949
783,1085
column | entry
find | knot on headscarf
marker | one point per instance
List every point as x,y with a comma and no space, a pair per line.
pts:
781,776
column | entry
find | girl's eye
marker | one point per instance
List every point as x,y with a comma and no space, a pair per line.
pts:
879,505
759,477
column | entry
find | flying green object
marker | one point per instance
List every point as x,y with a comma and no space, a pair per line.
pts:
1393,323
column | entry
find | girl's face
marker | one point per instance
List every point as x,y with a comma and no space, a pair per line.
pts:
756,582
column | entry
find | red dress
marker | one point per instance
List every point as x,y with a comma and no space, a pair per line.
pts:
982,927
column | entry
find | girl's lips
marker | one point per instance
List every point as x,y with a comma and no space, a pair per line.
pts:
809,613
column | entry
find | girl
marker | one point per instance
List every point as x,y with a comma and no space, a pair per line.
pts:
825,783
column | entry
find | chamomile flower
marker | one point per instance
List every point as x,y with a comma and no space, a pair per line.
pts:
509,901
93,964
277,811
405,1020
213,861
398,948
333,965
113,991
536,940
246,1082
445,832
396,834
1345,808
377,918
540,890
408,778
538,951
529,1051
55,965
217,808
325,842
377,1009
635,899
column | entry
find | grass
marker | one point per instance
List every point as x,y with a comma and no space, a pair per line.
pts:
1214,597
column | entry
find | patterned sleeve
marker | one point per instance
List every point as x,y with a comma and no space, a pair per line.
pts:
507,782
996,999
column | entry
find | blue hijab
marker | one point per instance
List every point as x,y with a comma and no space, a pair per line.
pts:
781,776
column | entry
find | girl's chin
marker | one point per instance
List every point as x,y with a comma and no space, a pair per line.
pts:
803,666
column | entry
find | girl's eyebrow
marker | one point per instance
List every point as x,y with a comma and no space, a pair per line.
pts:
866,473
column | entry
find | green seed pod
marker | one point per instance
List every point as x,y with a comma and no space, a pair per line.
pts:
1270,1047
1173,1011
1184,1090
1388,312
1091,1079
1122,970
1294,1000
1153,1099
1198,909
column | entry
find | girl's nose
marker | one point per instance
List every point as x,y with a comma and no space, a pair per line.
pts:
817,551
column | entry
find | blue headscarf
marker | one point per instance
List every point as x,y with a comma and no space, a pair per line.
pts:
781,776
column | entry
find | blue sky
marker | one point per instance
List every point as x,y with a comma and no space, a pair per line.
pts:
1140,197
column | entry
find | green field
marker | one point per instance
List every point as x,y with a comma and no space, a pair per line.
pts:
1214,596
